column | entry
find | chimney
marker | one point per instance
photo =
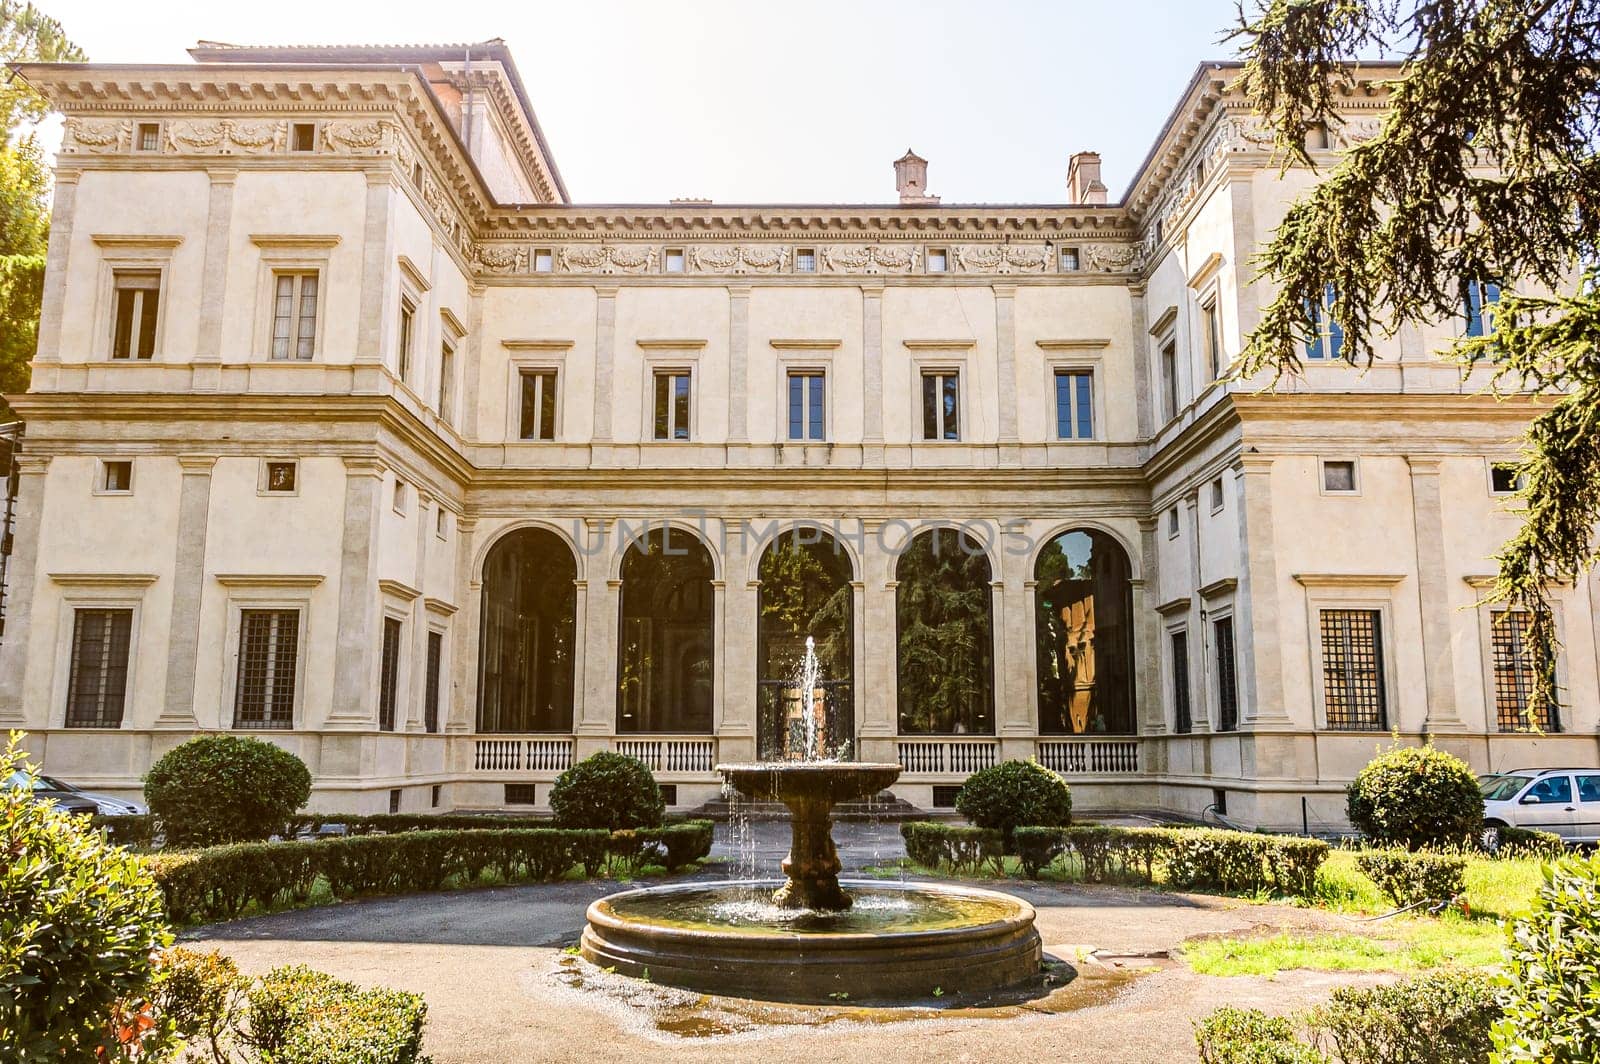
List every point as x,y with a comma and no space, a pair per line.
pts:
911,180
1083,178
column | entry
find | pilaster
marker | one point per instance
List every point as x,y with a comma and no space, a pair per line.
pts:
740,630
1433,599
872,373
354,702
738,363
605,353
58,260
880,709
21,576
1149,707
188,592
462,705
1005,341
377,254
1258,632
416,719
214,283
599,634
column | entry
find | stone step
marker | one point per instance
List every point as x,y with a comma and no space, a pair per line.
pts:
885,807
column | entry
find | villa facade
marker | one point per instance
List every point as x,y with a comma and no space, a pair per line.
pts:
348,430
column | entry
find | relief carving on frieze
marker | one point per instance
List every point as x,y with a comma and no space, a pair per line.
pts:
225,136
98,136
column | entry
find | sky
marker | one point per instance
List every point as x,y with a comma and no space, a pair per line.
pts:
759,101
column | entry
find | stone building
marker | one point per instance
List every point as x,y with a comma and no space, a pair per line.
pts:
350,430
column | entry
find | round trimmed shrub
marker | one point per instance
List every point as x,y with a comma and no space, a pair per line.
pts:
607,790
1015,794
1552,967
1418,797
218,789
80,923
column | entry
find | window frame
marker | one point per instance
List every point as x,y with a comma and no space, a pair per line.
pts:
1382,636
1519,480
1214,691
1355,476
671,254
1171,386
297,277
1346,592
397,680
435,678
71,613
290,253
1486,301
1173,633
1057,368
810,254
1211,334
1219,494
263,592
943,254
543,260
1329,343
671,369
155,126
96,591
138,315
400,495
237,632
1553,723
264,477
316,137
1062,260
804,370
1174,522
523,371
102,469
940,370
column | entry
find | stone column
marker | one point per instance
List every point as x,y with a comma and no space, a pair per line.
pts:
738,363
58,260
1014,668
1005,343
1433,599
605,348
188,591
377,255
214,282
1257,632
21,576
872,373
355,702
461,709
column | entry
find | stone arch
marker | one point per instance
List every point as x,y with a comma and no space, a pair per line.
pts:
944,634
1084,633
527,635
667,634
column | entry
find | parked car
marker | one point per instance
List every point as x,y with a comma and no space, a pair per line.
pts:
1563,801
75,800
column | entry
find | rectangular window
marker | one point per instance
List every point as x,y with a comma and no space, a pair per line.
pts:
1074,404
149,136
938,260
1182,714
269,647
430,694
116,476
538,420
303,136
1339,477
941,405
1327,338
136,303
673,261
1172,523
389,674
408,322
522,794
1227,675
544,260
805,260
294,314
1218,495
1169,378
401,496
441,522
1211,327
1478,299
1505,478
1069,260
97,681
672,405
1515,665
807,391
1352,670
282,477
447,382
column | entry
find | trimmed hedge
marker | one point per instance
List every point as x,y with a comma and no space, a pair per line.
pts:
1249,1036
607,790
1015,794
1418,797
301,1016
1412,878
1527,842
222,882
218,789
1193,857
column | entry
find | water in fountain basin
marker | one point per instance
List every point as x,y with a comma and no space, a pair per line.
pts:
746,908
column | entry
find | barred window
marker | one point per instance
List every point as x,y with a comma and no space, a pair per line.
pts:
98,676
1515,664
389,674
269,649
1183,717
430,697
1352,670
1227,675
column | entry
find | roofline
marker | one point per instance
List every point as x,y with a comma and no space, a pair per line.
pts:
1178,106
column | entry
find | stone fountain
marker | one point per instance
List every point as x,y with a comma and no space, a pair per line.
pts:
812,938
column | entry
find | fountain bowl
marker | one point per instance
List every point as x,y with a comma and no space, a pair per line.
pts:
899,942
790,781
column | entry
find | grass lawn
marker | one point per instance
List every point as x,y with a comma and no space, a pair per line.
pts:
1404,944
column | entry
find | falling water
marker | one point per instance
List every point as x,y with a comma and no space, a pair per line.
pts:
810,675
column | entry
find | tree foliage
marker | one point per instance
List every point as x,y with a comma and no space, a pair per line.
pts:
944,634
28,35
1484,168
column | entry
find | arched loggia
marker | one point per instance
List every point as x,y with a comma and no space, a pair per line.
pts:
529,623
805,593
1083,630
666,678
944,631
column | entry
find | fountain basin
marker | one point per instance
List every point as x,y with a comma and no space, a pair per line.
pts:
899,942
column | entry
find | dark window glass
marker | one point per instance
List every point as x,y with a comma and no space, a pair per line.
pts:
1551,790
408,315
1505,478
1327,340
944,625
97,681
305,137
806,411
1227,675
118,476
137,304
1169,379
430,693
1515,665
1083,630
389,674
672,406
814,386
1478,298
930,408
1183,714
805,592
529,625
1352,670
1074,405
538,418
665,666
268,656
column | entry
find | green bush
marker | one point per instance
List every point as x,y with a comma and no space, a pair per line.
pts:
1250,1036
217,789
1015,794
202,995
1552,971
79,922
1437,1018
955,846
1412,878
607,790
135,831
1526,842
1418,797
301,1016
1038,848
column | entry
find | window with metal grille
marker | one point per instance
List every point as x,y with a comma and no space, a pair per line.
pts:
672,405
805,260
430,694
944,795
294,314
941,406
98,675
1227,675
149,136
136,304
269,648
522,794
1069,259
1352,670
1182,714
1074,404
807,409
389,674
1515,670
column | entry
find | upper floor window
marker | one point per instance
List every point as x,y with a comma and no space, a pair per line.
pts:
544,260
97,676
281,477
1074,404
303,136
938,260
1172,522
1339,477
137,302
1169,378
1506,478
1211,329
941,405
408,328
1327,337
1478,299
447,381
116,477
538,420
1218,495
269,652
1069,260
805,260
1352,669
807,409
294,314
673,260
672,404
148,136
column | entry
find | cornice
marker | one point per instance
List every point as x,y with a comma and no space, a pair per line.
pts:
269,580
103,580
